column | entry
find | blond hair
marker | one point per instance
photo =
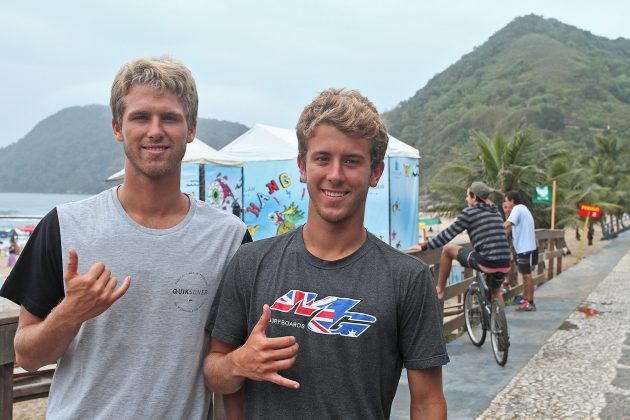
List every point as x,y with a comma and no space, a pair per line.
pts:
162,74
349,112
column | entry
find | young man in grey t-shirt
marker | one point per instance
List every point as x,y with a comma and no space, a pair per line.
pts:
342,311
132,350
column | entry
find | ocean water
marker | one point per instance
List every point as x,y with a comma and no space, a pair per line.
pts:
14,205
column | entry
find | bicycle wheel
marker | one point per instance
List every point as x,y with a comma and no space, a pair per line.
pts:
474,317
499,333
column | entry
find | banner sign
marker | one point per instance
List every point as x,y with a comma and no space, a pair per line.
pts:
376,218
224,188
275,201
404,184
542,194
587,210
189,182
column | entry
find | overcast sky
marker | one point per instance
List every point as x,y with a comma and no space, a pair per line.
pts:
256,61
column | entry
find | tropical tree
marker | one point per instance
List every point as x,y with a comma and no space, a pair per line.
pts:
504,163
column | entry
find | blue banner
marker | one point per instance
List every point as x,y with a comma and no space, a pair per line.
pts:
377,207
275,201
404,186
190,179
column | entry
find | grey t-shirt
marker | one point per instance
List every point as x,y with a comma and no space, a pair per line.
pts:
357,321
143,357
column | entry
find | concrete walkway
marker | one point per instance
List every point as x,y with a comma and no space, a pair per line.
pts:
573,366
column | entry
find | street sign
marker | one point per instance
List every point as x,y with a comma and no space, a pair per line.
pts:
587,210
542,194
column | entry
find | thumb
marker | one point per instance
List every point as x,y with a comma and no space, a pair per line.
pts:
73,264
263,322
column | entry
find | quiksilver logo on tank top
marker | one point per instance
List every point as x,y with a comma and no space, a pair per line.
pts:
190,292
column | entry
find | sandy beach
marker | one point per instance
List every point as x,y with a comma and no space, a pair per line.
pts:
36,409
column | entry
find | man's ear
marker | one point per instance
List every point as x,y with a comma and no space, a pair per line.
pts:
118,135
302,167
376,174
191,133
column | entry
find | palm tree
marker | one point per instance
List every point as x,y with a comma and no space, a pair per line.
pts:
504,163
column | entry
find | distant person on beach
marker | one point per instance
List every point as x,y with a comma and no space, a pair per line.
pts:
132,349
318,323
520,223
14,251
491,250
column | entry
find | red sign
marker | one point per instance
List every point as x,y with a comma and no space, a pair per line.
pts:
593,212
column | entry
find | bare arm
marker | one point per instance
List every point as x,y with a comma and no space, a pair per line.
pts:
259,359
42,341
233,404
508,226
427,396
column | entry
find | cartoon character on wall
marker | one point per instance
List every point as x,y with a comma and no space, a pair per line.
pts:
220,195
286,219
395,207
252,230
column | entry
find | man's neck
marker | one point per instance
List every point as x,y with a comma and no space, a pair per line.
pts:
331,242
156,204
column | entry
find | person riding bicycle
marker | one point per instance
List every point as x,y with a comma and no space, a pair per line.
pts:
483,222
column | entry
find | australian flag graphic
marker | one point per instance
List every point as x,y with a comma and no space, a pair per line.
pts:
330,315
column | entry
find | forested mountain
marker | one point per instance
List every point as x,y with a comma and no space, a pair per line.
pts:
74,150
562,82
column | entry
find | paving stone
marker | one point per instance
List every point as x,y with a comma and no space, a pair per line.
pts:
617,407
622,380
585,381
625,357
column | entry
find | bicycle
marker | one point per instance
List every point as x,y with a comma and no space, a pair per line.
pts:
482,313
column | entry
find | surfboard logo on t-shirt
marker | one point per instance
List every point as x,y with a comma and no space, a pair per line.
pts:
330,315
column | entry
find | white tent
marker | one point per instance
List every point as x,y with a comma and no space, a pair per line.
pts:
264,142
196,152
273,195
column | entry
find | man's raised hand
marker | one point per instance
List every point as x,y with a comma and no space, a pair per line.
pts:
261,357
90,294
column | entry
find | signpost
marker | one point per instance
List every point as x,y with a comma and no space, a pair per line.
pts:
546,194
587,211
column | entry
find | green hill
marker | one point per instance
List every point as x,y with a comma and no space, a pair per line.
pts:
563,82
74,150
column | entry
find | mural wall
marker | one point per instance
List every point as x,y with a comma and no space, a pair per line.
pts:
404,185
224,188
275,201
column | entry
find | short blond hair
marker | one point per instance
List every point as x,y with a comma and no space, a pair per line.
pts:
161,73
349,112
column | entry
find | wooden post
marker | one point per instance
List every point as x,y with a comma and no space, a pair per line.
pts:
8,325
550,247
559,258
553,204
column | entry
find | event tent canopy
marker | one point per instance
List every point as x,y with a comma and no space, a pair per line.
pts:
196,152
264,142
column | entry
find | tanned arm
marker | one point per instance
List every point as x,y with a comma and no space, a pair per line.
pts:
427,396
38,341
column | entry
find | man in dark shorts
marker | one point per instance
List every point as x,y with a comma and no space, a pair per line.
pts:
520,223
491,254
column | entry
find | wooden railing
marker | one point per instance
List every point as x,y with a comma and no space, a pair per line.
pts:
16,386
550,244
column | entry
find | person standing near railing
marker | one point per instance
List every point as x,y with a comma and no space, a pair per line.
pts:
482,221
520,223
